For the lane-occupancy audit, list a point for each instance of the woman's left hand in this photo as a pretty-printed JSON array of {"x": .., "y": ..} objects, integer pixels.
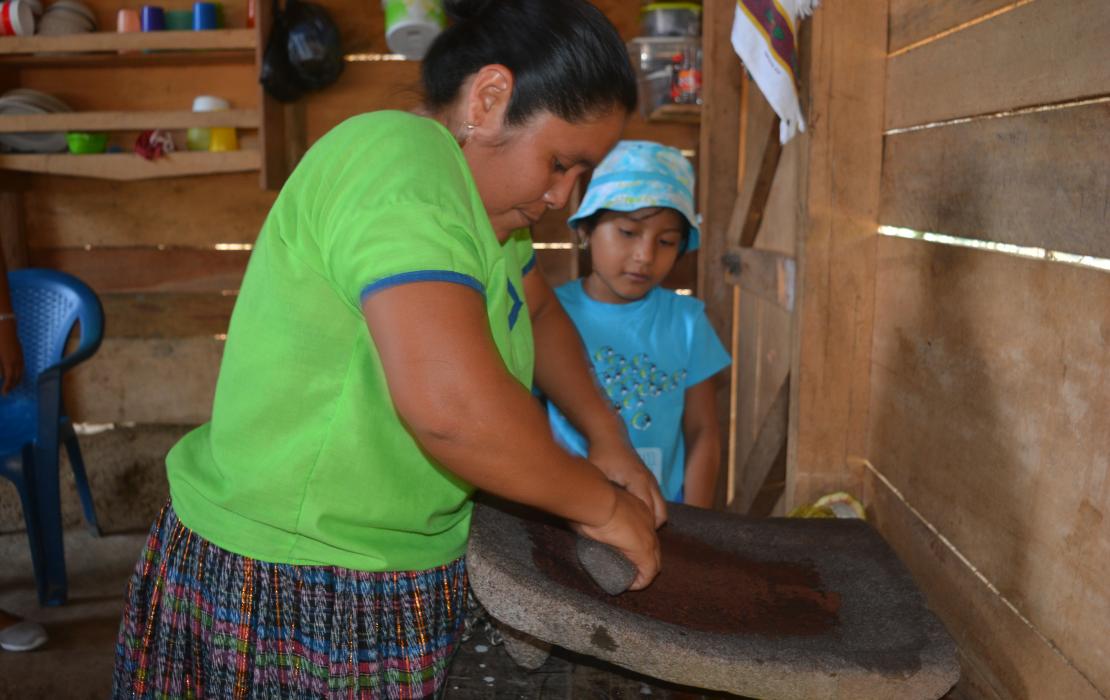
[{"x": 621, "y": 465}]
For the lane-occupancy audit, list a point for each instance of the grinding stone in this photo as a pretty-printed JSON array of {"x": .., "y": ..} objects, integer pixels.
[
  {"x": 885, "y": 642},
  {"x": 606, "y": 566},
  {"x": 525, "y": 650}
]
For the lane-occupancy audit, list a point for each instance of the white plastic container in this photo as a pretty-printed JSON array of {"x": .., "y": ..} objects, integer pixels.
[{"x": 412, "y": 25}]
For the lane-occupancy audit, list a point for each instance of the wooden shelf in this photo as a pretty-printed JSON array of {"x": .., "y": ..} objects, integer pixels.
[
  {"x": 229, "y": 57},
  {"x": 128, "y": 121},
  {"x": 267, "y": 152},
  {"x": 128, "y": 166},
  {"x": 686, "y": 114},
  {"x": 64, "y": 48}
]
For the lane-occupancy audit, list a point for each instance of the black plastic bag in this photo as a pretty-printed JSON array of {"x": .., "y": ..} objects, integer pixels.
[
  {"x": 303, "y": 52},
  {"x": 315, "y": 51}
]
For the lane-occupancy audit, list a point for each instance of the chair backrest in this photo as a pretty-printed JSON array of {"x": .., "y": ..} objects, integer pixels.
[{"x": 47, "y": 304}]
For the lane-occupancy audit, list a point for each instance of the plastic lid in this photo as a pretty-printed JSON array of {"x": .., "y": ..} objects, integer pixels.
[
  {"x": 689, "y": 6},
  {"x": 209, "y": 103}
]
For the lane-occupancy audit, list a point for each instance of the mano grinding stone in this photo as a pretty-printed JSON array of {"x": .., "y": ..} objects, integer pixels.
[{"x": 606, "y": 566}]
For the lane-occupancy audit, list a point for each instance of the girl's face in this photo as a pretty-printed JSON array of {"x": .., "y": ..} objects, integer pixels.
[
  {"x": 632, "y": 252},
  {"x": 521, "y": 172}
]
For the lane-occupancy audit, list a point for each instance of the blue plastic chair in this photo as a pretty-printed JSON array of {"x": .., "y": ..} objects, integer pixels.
[{"x": 33, "y": 424}]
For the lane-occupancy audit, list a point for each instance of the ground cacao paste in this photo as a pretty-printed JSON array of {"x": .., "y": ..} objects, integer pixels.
[{"x": 703, "y": 588}]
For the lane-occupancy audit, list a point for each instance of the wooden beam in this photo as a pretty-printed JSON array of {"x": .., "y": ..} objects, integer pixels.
[
  {"x": 767, "y": 274},
  {"x": 845, "y": 56},
  {"x": 717, "y": 177},
  {"x": 274, "y": 166},
  {"x": 758, "y": 192},
  {"x": 769, "y": 449},
  {"x": 13, "y": 241}
]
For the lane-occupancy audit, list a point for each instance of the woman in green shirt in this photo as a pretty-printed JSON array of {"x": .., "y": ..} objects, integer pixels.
[{"x": 377, "y": 371}]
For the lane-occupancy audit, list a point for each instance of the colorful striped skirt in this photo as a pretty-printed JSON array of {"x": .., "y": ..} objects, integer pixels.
[{"x": 201, "y": 622}]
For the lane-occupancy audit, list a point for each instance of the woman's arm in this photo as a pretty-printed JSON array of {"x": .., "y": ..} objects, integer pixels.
[
  {"x": 563, "y": 375},
  {"x": 451, "y": 388},
  {"x": 11, "y": 355},
  {"x": 703, "y": 444}
]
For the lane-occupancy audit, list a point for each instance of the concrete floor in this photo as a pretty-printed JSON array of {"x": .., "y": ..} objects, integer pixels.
[{"x": 77, "y": 661}]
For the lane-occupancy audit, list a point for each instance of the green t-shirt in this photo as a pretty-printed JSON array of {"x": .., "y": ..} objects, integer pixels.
[{"x": 305, "y": 460}]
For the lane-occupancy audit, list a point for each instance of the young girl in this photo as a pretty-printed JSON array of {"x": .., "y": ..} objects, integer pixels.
[
  {"x": 653, "y": 351},
  {"x": 378, "y": 370}
]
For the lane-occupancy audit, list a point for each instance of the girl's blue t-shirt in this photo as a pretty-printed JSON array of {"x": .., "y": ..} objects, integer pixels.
[{"x": 645, "y": 355}]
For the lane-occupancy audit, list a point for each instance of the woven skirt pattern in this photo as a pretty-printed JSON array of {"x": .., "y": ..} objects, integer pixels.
[{"x": 202, "y": 622}]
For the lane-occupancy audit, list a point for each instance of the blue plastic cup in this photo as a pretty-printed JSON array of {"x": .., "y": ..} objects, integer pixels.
[
  {"x": 153, "y": 18},
  {"x": 204, "y": 16}
]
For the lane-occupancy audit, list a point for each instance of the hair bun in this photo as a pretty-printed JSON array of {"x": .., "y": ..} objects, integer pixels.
[{"x": 461, "y": 10}]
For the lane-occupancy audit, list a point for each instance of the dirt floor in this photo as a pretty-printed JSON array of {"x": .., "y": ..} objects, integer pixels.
[{"x": 77, "y": 661}]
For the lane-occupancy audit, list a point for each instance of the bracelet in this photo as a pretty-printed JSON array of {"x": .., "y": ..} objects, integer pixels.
[{"x": 7, "y": 317}]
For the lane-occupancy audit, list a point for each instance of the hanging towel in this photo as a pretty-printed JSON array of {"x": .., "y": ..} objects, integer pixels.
[{"x": 763, "y": 34}]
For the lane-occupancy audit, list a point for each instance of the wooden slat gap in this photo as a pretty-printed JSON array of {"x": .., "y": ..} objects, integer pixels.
[
  {"x": 958, "y": 28},
  {"x": 1072, "y": 103}
]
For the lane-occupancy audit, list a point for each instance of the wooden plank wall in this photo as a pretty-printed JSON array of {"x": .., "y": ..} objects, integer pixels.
[
  {"x": 839, "y": 187},
  {"x": 988, "y": 429},
  {"x": 167, "y": 255}
]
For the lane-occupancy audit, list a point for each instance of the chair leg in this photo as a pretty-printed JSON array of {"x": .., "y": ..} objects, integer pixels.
[
  {"x": 73, "y": 449},
  {"x": 50, "y": 524},
  {"x": 26, "y": 487}
]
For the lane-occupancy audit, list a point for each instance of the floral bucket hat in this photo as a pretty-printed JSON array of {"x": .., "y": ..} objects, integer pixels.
[{"x": 638, "y": 175}]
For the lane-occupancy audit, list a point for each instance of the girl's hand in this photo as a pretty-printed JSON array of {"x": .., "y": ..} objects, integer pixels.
[
  {"x": 11, "y": 357},
  {"x": 621, "y": 465},
  {"x": 631, "y": 529}
]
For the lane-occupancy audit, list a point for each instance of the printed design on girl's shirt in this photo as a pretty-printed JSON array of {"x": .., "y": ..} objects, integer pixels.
[{"x": 633, "y": 384}]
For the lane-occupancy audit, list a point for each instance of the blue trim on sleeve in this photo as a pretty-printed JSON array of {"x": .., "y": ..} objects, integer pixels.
[
  {"x": 529, "y": 265},
  {"x": 514, "y": 312},
  {"x": 422, "y": 276}
]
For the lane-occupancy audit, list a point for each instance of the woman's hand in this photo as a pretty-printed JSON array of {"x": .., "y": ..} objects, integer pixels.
[
  {"x": 620, "y": 464},
  {"x": 631, "y": 530},
  {"x": 11, "y": 356}
]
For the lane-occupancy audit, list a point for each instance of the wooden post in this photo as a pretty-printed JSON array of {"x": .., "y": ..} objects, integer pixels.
[
  {"x": 830, "y": 363},
  {"x": 13, "y": 241},
  {"x": 719, "y": 160},
  {"x": 272, "y": 127}
]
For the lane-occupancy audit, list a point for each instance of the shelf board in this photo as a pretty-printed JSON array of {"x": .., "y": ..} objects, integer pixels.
[
  {"x": 127, "y": 121},
  {"x": 687, "y": 114},
  {"x": 35, "y": 48},
  {"x": 229, "y": 57},
  {"x": 129, "y": 167}
]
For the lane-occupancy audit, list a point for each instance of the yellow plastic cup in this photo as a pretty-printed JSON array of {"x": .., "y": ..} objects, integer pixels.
[{"x": 222, "y": 138}]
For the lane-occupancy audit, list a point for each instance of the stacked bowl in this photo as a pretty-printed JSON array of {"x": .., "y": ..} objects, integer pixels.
[
  {"x": 67, "y": 17},
  {"x": 25, "y": 101}
]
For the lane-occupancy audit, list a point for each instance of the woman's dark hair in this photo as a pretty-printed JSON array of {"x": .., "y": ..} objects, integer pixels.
[
  {"x": 566, "y": 57},
  {"x": 589, "y": 223}
]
